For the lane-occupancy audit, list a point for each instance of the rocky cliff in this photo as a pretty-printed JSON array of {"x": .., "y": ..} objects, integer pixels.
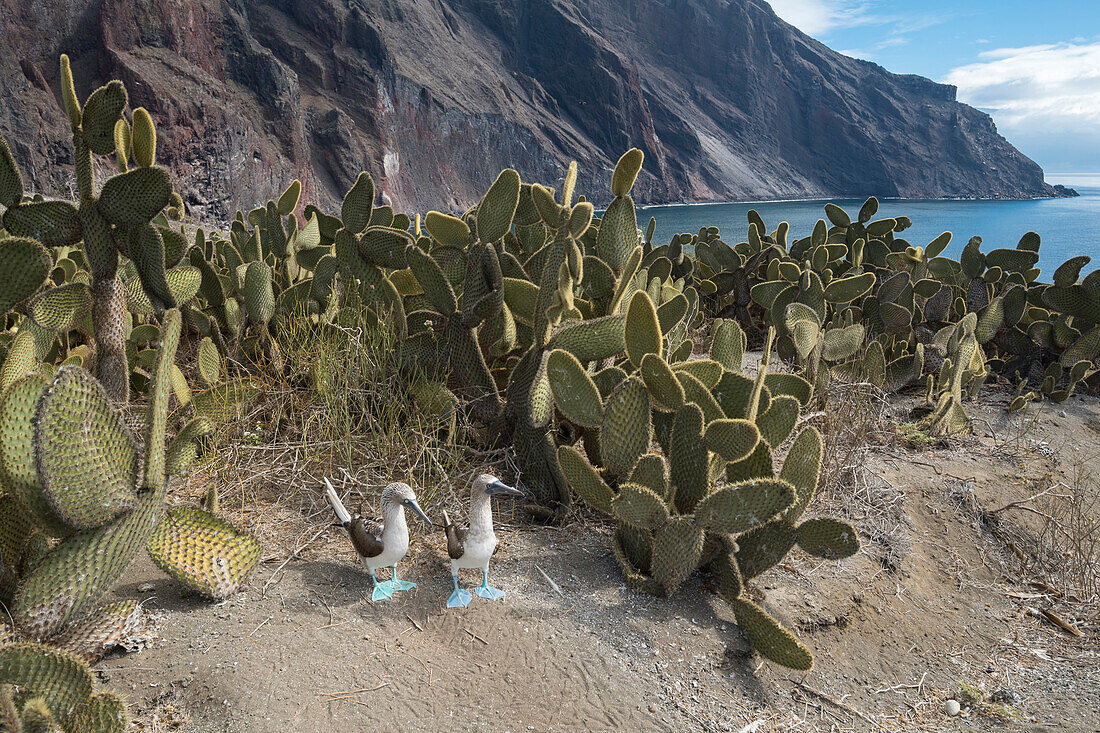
[{"x": 433, "y": 97}]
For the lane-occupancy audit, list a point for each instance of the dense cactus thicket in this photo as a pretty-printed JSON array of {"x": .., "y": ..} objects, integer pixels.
[
  {"x": 90, "y": 294},
  {"x": 611, "y": 364}
]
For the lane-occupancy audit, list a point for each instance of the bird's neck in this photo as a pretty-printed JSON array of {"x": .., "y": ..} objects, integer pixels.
[
  {"x": 393, "y": 522},
  {"x": 481, "y": 513}
]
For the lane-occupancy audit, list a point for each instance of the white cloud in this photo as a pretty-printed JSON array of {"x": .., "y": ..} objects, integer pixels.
[
  {"x": 817, "y": 17},
  {"x": 1052, "y": 88}
]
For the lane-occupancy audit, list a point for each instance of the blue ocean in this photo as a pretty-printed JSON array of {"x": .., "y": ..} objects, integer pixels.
[{"x": 1068, "y": 226}]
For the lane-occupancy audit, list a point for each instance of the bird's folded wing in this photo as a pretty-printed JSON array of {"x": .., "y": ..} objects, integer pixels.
[
  {"x": 366, "y": 536},
  {"x": 456, "y": 541}
]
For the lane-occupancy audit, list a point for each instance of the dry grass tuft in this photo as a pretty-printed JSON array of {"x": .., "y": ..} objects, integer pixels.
[
  {"x": 857, "y": 420},
  {"x": 339, "y": 408}
]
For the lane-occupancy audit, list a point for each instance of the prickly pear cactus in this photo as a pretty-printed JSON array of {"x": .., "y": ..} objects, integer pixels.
[{"x": 707, "y": 496}]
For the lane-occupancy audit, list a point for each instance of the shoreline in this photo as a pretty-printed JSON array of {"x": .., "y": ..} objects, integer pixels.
[{"x": 824, "y": 200}]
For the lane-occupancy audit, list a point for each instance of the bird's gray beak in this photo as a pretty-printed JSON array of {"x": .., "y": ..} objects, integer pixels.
[
  {"x": 501, "y": 489},
  {"x": 416, "y": 508}
]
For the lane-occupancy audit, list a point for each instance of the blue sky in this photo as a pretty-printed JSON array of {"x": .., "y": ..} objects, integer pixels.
[{"x": 1034, "y": 66}]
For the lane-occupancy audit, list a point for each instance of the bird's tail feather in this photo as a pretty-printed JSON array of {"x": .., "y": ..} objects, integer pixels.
[{"x": 337, "y": 506}]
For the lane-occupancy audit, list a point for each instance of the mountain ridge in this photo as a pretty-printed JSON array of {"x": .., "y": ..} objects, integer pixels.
[{"x": 433, "y": 97}]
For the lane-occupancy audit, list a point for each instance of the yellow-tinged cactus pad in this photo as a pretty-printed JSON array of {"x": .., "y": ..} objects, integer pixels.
[
  {"x": 85, "y": 455},
  {"x": 626, "y": 172},
  {"x": 206, "y": 553},
  {"x": 143, "y": 138},
  {"x": 446, "y": 229},
  {"x": 63, "y": 308},
  {"x": 769, "y": 638},
  {"x": 208, "y": 363}
]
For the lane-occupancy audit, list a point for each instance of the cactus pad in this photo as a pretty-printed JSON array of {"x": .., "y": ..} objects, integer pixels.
[
  {"x": 11, "y": 181},
  {"x": 640, "y": 507},
  {"x": 134, "y": 198},
  {"x": 626, "y": 430},
  {"x": 744, "y": 506},
  {"x": 85, "y": 455},
  {"x": 677, "y": 547},
  {"x": 259, "y": 297},
  {"x": 53, "y": 223},
  {"x": 26, "y": 265},
  {"x": 585, "y": 479},
  {"x": 67, "y": 582},
  {"x": 498, "y": 207},
  {"x": 62, "y": 309},
  {"x": 61, "y": 680},
  {"x": 828, "y": 538},
  {"x": 358, "y": 204},
  {"x": 92, "y": 637},
  {"x": 574, "y": 391},
  {"x": 17, "y": 466},
  {"x": 204, "y": 552},
  {"x": 769, "y": 638},
  {"x": 642, "y": 331}
]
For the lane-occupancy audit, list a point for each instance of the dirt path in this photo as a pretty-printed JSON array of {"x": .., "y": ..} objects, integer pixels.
[{"x": 891, "y": 644}]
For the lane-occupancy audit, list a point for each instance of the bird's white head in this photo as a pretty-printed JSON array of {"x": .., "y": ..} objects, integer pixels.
[
  {"x": 401, "y": 496},
  {"x": 489, "y": 485}
]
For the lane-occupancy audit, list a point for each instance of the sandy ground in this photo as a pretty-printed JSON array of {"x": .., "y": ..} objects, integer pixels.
[{"x": 303, "y": 645}]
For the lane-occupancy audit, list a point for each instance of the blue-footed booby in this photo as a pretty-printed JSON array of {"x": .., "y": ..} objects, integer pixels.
[
  {"x": 473, "y": 547},
  {"x": 380, "y": 544}
]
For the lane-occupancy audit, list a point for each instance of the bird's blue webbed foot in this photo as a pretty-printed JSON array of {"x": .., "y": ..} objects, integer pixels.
[
  {"x": 397, "y": 584},
  {"x": 382, "y": 590},
  {"x": 487, "y": 591},
  {"x": 459, "y": 598}
]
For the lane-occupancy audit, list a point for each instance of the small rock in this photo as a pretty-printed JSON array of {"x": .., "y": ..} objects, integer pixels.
[
  {"x": 145, "y": 587},
  {"x": 1008, "y": 697},
  {"x": 1062, "y": 413},
  {"x": 952, "y": 707}
]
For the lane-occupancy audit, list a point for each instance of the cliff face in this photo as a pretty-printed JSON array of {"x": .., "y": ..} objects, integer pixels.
[{"x": 434, "y": 97}]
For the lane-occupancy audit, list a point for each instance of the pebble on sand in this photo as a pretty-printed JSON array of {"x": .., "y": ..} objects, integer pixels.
[{"x": 952, "y": 707}]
